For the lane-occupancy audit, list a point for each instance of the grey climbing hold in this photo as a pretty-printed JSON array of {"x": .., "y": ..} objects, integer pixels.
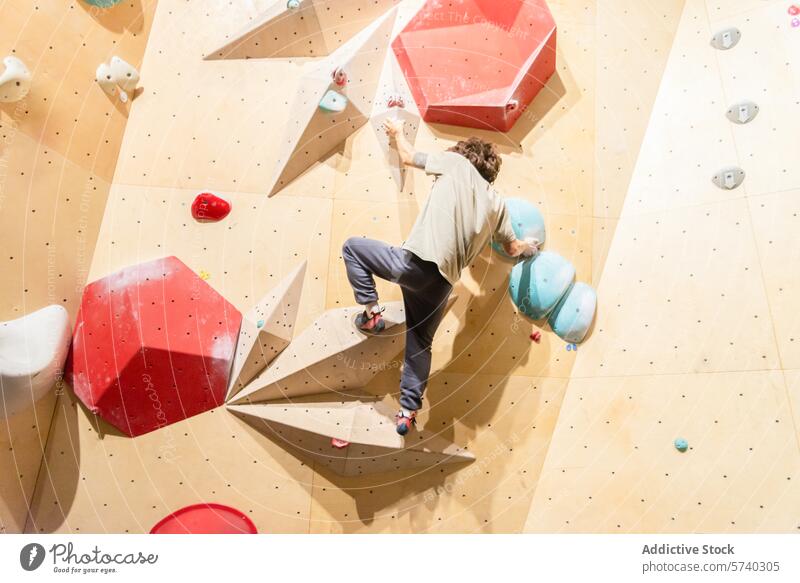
[
  {"x": 726, "y": 39},
  {"x": 742, "y": 113},
  {"x": 728, "y": 178},
  {"x": 681, "y": 444}
]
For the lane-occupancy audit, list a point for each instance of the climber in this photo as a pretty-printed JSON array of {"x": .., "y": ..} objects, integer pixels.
[{"x": 462, "y": 215}]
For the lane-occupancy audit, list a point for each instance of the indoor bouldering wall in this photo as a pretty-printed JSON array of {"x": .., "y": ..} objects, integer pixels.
[
  {"x": 217, "y": 125},
  {"x": 58, "y": 152}
]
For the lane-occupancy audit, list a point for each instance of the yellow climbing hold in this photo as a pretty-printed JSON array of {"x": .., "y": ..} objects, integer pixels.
[{"x": 204, "y": 275}]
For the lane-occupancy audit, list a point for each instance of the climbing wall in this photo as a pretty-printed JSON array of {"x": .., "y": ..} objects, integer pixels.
[
  {"x": 697, "y": 331},
  {"x": 215, "y": 125},
  {"x": 58, "y": 152}
]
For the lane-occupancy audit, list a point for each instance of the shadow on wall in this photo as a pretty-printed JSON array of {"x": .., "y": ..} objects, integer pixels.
[
  {"x": 57, "y": 483},
  {"x": 127, "y": 15},
  {"x": 511, "y": 142}
]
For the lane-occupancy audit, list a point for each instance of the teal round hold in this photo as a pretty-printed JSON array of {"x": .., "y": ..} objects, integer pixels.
[
  {"x": 103, "y": 3},
  {"x": 574, "y": 314},
  {"x": 537, "y": 285},
  {"x": 526, "y": 220},
  {"x": 681, "y": 444}
]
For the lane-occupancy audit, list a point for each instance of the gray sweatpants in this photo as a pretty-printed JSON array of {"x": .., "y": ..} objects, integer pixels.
[{"x": 425, "y": 293}]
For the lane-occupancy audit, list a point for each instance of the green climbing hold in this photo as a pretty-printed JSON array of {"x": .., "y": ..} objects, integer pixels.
[
  {"x": 333, "y": 102},
  {"x": 681, "y": 444},
  {"x": 260, "y": 323}
]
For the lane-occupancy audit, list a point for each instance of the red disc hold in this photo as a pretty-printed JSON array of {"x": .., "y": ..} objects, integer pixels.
[
  {"x": 205, "y": 519},
  {"x": 210, "y": 207}
]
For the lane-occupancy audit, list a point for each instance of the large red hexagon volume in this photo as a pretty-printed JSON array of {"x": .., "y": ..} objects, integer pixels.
[
  {"x": 477, "y": 63},
  {"x": 153, "y": 345}
]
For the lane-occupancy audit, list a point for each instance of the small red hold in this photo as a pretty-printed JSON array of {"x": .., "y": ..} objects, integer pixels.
[
  {"x": 209, "y": 207},
  {"x": 536, "y": 337},
  {"x": 397, "y": 101},
  {"x": 794, "y": 9},
  {"x": 339, "y": 443},
  {"x": 339, "y": 77}
]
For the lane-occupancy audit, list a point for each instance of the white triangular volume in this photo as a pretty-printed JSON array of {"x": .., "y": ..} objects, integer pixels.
[
  {"x": 311, "y": 132},
  {"x": 267, "y": 329},
  {"x": 330, "y": 355},
  {"x": 32, "y": 353},
  {"x": 393, "y": 87},
  {"x": 350, "y": 438},
  {"x": 309, "y": 28},
  {"x": 15, "y": 81},
  {"x": 410, "y": 128}
]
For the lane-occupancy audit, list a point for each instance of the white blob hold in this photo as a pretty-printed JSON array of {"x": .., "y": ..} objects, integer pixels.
[
  {"x": 15, "y": 82},
  {"x": 105, "y": 79},
  {"x": 125, "y": 74}
]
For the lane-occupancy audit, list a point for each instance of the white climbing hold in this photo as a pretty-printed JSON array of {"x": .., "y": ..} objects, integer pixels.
[
  {"x": 726, "y": 39},
  {"x": 743, "y": 112},
  {"x": 125, "y": 74},
  {"x": 118, "y": 74},
  {"x": 728, "y": 178},
  {"x": 15, "y": 82},
  {"x": 32, "y": 353},
  {"x": 105, "y": 79}
]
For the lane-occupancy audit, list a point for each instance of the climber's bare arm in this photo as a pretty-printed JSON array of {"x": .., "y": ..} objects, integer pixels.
[{"x": 394, "y": 129}]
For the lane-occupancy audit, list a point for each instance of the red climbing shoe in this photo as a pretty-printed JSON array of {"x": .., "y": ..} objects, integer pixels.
[
  {"x": 404, "y": 421},
  {"x": 373, "y": 324}
]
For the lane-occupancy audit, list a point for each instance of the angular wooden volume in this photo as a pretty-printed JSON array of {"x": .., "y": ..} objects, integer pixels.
[
  {"x": 330, "y": 355},
  {"x": 266, "y": 330},
  {"x": 313, "y": 131},
  {"x": 315, "y": 28},
  {"x": 350, "y": 438}
]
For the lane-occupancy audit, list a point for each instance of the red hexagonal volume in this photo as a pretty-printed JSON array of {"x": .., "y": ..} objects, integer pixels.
[
  {"x": 153, "y": 345},
  {"x": 477, "y": 63}
]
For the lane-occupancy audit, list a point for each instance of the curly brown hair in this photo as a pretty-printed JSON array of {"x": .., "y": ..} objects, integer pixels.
[{"x": 482, "y": 154}]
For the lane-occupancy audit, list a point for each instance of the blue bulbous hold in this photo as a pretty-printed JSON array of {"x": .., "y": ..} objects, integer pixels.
[
  {"x": 574, "y": 314},
  {"x": 537, "y": 284},
  {"x": 103, "y": 3},
  {"x": 333, "y": 102},
  {"x": 526, "y": 220}
]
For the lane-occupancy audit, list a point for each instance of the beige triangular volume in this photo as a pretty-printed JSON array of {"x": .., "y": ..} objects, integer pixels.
[
  {"x": 313, "y": 131},
  {"x": 309, "y": 28},
  {"x": 331, "y": 355},
  {"x": 393, "y": 100},
  {"x": 266, "y": 330},
  {"x": 350, "y": 438}
]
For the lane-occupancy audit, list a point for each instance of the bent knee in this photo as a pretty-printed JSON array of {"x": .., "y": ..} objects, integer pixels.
[{"x": 347, "y": 246}]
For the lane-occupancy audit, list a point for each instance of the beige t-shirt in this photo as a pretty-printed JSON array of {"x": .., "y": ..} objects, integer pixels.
[{"x": 461, "y": 216}]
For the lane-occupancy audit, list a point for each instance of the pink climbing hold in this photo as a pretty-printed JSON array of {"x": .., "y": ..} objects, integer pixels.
[
  {"x": 794, "y": 10},
  {"x": 153, "y": 345},
  {"x": 339, "y": 443},
  {"x": 396, "y": 101},
  {"x": 209, "y": 207},
  {"x": 339, "y": 77}
]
